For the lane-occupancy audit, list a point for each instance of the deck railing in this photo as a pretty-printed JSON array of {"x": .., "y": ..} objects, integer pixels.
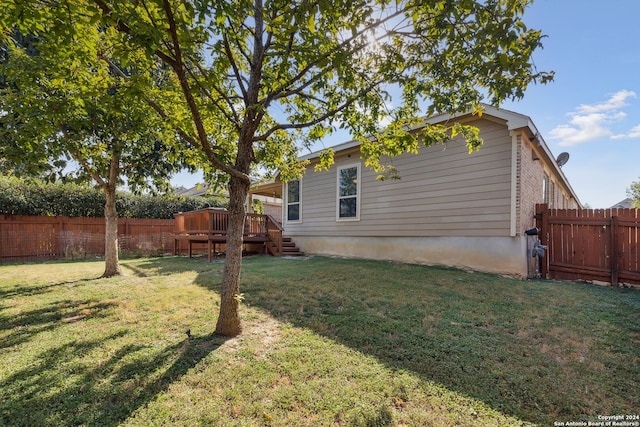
[
  {"x": 202, "y": 221},
  {"x": 215, "y": 221},
  {"x": 255, "y": 225},
  {"x": 209, "y": 226},
  {"x": 274, "y": 232}
]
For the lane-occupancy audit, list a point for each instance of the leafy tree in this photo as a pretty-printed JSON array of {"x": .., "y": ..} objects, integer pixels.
[
  {"x": 66, "y": 103},
  {"x": 634, "y": 193},
  {"x": 261, "y": 78},
  {"x": 14, "y": 159}
]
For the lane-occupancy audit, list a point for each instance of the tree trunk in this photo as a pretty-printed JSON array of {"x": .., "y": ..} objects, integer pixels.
[
  {"x": 111, "y": 260},
  {"x": 229, "y": 319}
]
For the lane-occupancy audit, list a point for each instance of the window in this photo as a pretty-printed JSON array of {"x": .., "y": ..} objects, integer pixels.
[
  {"x": 545, "y": 189},
  {"x": 348, "y": 206},
  {"x": 294, "y": 213}
]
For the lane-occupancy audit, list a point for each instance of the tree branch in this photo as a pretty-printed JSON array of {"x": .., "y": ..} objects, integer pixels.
[
  {"x": 321, "y": 118},
  {"x": 231, "y": 117},
  {"x": 124, "y": 28},
  {"x": 178, "y": 67},
  {"x": 158, "y": 109},
  {"x": 236, "y": 71},
  {"x": 87, "y": 167},
  {"x": 345, "y": 43}
]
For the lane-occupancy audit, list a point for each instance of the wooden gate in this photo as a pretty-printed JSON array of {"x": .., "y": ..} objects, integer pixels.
[{"x": 590, "y": 244}]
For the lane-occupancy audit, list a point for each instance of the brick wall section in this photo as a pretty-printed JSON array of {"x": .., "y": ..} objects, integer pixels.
[
  {"x": 529, "y": 185},
  {"x": 530, "y": 173}
]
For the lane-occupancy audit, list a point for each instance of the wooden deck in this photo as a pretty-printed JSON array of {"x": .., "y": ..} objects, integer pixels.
[{"x": 209, "y": 226}]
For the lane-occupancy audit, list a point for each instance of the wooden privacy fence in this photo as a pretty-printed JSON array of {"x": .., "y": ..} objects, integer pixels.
[
  {"x": 41, "y": 237},
  {"x": 590, "y": 244}
]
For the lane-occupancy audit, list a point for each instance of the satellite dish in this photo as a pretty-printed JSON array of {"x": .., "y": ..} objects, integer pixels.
[{"x": 562, "y": 159}]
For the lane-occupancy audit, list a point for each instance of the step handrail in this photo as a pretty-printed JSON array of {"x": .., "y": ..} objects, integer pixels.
[{"x": 274, "y": 233}]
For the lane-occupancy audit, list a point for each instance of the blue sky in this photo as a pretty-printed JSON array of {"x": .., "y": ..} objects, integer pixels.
[{"x": 592, "y": 109}]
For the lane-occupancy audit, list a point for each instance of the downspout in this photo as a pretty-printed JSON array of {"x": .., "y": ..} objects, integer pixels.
[{"x": 515, "y": 183}]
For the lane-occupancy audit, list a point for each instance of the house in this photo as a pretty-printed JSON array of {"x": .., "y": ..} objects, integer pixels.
[
  {"x": 624, "y": 204},
  {"x": 449, "y": 207},
  {"x": 196, "y": 190}
]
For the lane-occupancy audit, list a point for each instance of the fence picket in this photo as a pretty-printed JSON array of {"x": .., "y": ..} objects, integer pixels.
[
  {"x": 37, "y": 237},
  {"x": 591, "y": 244}
]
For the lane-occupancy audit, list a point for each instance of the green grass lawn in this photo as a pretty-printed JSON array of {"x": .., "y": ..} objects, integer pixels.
[{"x": 326, "y": 342}]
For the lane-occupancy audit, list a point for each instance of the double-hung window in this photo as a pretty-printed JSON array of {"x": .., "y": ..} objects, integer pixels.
[
  {"x": 294, "y": 213},
  {"x": 348, "y": 200}
]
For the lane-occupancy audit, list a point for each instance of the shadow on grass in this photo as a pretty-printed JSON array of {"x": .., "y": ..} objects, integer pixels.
[
  {"x": 533, "y": 350},
  {"x": 26, "y": 324},
  {"x": 518, "y": 346},
  {"x": 172, "y": 265},
  {"x": 97, "y": 378},
  {"x": 27, "y": 291},
  {"x": 62, "y": 387}
]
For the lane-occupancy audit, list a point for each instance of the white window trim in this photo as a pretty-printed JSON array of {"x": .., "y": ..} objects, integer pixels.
[
  {"x": 286, "y": 203},
  {"x": 358, "y": 192}
]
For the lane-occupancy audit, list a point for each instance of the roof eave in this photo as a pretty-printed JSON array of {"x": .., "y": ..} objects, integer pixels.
[{"x": 514, "y": 121}]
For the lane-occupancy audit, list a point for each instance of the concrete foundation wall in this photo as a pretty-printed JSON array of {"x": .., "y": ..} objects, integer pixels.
[{"x": 501, "y": 255}]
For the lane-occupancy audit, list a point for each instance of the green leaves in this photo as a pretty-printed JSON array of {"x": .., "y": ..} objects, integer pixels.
[
  {"x": 311, "y": 23},
  {"x": 84, "y": 98},
  {"x": 263, "y": 78},
  {"x": 35, "y": 197},
  {"x": 471, "y": 135},
  {"x": 325, "y": 159},
  {"x": 634, "y": 193}
]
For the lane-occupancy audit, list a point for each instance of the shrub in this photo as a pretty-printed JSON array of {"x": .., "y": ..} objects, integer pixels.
[{"x": 35, "y": 197}]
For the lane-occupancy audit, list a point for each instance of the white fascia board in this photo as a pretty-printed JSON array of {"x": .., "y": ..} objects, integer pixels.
[
  {"x": 336, "y": 148},
  {"x": 514, "y": 121}
]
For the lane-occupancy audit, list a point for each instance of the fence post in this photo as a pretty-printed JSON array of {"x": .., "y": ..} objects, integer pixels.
[
  {"x": 60, "y": 244},
  {"x": 614, "y": 250},
  {"x": 542, "y": 222},
  {"x": 127, "y": 232},
  {"x": 2, "y": 239}
]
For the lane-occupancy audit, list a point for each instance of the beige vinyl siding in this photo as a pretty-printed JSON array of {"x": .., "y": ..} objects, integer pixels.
[{"x": 443, "y": 191}]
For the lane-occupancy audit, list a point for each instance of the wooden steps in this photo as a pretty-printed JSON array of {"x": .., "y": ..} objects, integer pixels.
[{"x": 289, "y": 248}]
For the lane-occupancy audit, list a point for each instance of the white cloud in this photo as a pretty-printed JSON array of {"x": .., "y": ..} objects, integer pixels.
[
  {"x": 593, "y": 121},
  {"x": 634, "y": 133},
  {"x": 617, "y": 101}
]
